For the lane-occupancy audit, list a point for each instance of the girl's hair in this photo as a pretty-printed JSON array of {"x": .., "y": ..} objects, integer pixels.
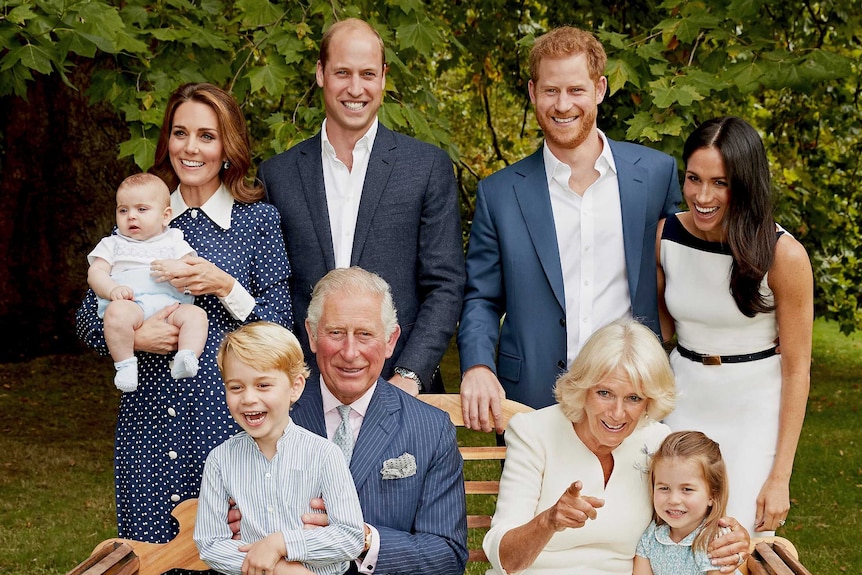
[
  {"x": 749, "y": 224},
  {"x": 264, "y": 345},
  {"x": 233, "y": 134},
  {"x": 696, "y": 447},
  {"x": 624, "y": 345}
]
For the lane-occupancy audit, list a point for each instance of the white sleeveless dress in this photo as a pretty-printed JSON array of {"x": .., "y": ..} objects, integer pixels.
[{"x": 735, "y": 404}]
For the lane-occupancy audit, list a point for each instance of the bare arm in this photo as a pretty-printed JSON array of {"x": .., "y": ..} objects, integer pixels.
[
  {"x": 642, "y": 566},
  {"x": 792, "y": 283},
  {"x": 100, "y": 281}
]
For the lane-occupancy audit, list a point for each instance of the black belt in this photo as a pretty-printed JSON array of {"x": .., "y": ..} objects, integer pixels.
[{"x": 719, "y": 359}]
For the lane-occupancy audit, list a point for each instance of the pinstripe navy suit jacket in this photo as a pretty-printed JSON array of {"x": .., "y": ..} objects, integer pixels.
[{"x": 422, "y": 520}]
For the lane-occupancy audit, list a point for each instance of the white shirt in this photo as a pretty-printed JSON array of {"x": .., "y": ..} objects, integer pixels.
[
  {"x": 344, "y": 190},
  {"x": 589, "y": 231}
]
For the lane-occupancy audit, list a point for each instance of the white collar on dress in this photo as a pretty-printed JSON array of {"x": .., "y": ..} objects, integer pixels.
[{"x": 218, "y": 208}]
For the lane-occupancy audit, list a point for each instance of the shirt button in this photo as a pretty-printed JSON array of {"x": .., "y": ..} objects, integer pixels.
[
  {"x": 172, "y": 412},
  {"x": 563, "y": 321},
  {"x": 268, "y": 475},
  {"x": 175, "y": 497},
  {"x": 172, "y": 454},
  {"x": 269, "y": 509}
]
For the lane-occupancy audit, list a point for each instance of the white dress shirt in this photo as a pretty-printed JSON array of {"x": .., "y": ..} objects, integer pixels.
[
  {"x": 344, "y": 190},
  {"x": 589, "y": 230}
]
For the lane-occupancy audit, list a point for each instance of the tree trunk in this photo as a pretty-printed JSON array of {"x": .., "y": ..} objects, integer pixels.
[{"x": 58, "y": 172}]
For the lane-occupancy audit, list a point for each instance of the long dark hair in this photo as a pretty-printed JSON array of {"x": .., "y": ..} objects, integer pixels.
[
  {"x": 749, "y": 224},
  {"x": 234, "y": 134}
]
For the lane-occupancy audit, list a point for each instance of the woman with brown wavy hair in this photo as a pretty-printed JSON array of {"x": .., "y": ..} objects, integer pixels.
[{"x": 167, "y": 427}]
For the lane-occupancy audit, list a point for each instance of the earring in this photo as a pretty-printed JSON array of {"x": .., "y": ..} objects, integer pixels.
[{"x": 226, "y": 164}]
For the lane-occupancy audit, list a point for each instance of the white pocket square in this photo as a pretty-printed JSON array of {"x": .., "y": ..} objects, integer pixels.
[{"x": 399, "y": 467}]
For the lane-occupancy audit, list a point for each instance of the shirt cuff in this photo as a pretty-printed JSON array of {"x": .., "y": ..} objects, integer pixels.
[
  {"x": 239, "y": 303},
  {"x": 368, "y": 564}
]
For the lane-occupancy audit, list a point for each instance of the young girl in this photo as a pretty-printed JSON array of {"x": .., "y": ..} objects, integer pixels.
[{"x": 689, "y": 485}]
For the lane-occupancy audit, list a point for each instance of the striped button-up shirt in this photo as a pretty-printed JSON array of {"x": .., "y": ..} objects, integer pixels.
[{"x": 272, "y": 495}]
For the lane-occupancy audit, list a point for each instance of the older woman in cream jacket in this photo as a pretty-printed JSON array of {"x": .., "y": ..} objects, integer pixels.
[{"x": 574, "y": 494}]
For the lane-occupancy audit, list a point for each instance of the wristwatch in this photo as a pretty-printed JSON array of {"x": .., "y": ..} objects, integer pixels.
[{"x": 408, "y": 374}]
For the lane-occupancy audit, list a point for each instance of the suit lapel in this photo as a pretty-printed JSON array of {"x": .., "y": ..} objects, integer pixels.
[
  {"x": 380, "y": 165},
  {"x": 307, "y": 412},
  {"x": 534, "y": 200},
  {"x": 378, "y": 426},
  {"x": 633, "y": 202},
  {"x": 310, "y": 165}
]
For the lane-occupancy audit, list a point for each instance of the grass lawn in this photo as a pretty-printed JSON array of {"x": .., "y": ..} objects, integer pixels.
[{"x": 57, "y": 416}]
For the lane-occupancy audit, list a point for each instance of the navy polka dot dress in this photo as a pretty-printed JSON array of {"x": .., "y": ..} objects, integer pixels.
[{"x": 167, "y": 427}]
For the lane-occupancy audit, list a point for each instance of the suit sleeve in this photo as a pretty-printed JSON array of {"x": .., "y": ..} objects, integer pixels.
[
  {"x": 484, "y": 297},
  {"x": 438, "y": 543},
  {"x": 673, "y": 197},
  {"x": 440, "y": 272}
]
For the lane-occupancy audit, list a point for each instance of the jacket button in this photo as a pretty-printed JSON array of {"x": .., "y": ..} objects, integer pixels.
[
  {"x": 563, "y": 321},
  {"x": 561, "y": 364}
]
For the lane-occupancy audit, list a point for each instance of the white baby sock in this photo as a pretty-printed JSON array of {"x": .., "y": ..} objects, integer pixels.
[
  {"x": 126, "y": 379},
  {"x": 185, "y": 364}
]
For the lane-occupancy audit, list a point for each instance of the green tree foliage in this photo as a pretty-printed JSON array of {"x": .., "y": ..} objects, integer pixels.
[{"x": 458, "y": 78}]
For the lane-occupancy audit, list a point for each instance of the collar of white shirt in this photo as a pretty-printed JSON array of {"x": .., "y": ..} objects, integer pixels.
[
  {"x": 366, "y": 141},
  {"x": 557, "y": 171},
  {"x": 217, "y": 208},
  {"x": 331, "y": 403}
]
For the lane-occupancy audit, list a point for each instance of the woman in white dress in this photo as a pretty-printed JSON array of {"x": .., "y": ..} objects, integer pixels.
[{"x": 732, "y": 284}]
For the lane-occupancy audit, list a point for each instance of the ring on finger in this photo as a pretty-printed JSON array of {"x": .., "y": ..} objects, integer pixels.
[
  {"x": 741, "y": 559},
  {"x": 186, "y": 291},
  {"x": 781, "y": 522}
]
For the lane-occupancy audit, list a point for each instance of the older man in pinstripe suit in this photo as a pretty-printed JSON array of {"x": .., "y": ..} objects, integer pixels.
[{"x": 405, "y": 461}]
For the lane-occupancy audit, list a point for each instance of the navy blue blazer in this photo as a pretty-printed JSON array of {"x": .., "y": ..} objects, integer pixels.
[
  {"x": 514, "y": 273},
  {"x": 422, "y": 520},
  {"x": 408, "y": 231}
]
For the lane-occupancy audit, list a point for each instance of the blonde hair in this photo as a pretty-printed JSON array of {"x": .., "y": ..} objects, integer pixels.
[
  {"x": 266, "y": 346},
  {"x": 697, "y": 448},
  {"x": 141, "y": 180},
  {"x": 624, "y": 345},
  {"x": 568, "y": 41},
  {"x": 353, "y": 281}
]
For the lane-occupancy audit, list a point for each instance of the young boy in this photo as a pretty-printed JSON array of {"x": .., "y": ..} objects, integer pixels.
[
  {"x": 119, "y": 274},
  {"x": 273, "y": 468}
]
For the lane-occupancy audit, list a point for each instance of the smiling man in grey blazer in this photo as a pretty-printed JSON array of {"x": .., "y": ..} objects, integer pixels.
[
  {"x": 562, "y": 242},
  {"x": 359, "y": 194}
]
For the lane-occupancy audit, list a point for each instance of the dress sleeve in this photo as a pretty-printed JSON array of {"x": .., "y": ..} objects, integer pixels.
[
  {"x": 270, "y": 272},
  {"x": 520, "y": 487}
]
